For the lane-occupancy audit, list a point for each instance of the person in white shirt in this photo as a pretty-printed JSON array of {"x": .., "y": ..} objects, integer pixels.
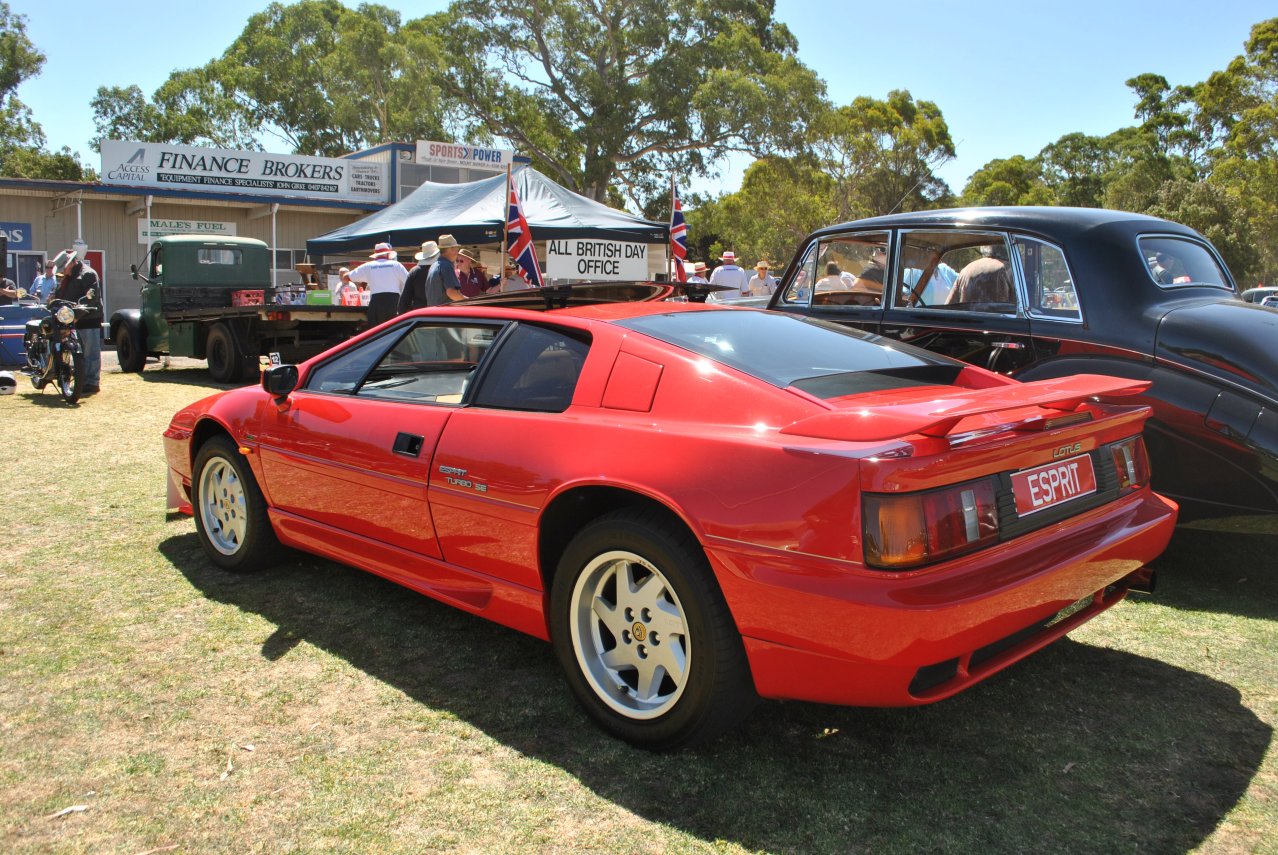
[
  {"x": 698, "y": 276},
  {"x": 761, "y": 284},
  {"x": 735, "y": 279},
  {"x": 384, "y": 276}
]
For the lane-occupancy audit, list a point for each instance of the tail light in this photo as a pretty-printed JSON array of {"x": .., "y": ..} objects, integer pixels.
[
  {"x": 1131, "y": 462},
  {"x": 905, "y": 530}
]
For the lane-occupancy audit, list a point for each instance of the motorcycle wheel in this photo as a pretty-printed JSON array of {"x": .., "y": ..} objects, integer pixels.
[{"x": 70, "y": 374}]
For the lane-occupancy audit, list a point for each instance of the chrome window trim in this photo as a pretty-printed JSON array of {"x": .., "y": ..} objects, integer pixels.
[
  {"x": 1018, "y": 282},
  {"x": 1038, "y": 314}
]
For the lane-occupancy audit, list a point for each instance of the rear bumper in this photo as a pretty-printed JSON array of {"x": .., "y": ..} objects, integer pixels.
[{"x": 818, "y": 630}]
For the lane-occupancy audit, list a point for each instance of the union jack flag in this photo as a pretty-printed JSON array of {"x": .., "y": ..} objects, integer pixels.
[
  {"x": 520, "y": 237},
  {"x": 678, "y": 238}
]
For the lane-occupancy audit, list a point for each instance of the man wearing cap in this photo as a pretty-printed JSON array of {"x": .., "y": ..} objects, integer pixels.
[
  {"x": 512, "y": 280},
  {"x": 731, "y": 276},
  {"x": 80, "y": 285},
  {"x": 761, "y": 284},
  {"x": 442, "y": 286},
  {"x": 42, "y": 286},
  {"x": 385, "y": 277},
  {"x": 698, "y": 276}
]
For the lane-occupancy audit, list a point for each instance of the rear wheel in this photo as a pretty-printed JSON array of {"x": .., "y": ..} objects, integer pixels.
[
  {"x": 644, "y": 635},
  {"x": 225, "y": 362},
  {"x": 129, "y": 349},
  {"x": 230, "y": 511},
  {"x": 70, "y": 371}
]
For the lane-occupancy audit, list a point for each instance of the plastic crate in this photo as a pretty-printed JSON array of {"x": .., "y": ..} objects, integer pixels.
[{"x": 248, "y": 298}]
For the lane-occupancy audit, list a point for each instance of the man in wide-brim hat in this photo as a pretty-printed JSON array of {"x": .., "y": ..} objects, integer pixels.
[
  {"x": 385, "y": 278},
  {"x": 414, "y": 293}
]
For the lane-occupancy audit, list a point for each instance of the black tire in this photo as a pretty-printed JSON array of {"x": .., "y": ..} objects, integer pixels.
[
  {"x": 130, "y": 349},
  {"x": 225, "y": 361},
  {"x": 709, "y": 688},
  {"x": 70, "y": 374},
  {"x": 230, "y": 511}
]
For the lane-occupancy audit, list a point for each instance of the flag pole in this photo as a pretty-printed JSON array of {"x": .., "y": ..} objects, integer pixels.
[
  {"x": 670, "y": 270},
  {"x": 505, "y": 225}
]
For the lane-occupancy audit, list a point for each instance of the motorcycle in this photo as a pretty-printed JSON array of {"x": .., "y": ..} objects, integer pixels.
[{"x": 54, "y": 354}]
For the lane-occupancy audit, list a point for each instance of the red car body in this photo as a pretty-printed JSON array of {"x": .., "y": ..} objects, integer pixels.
[{"x": 768, "y": 480}]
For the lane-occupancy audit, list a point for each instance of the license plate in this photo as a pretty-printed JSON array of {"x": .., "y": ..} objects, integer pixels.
[{"x": 1047, "y": 486}]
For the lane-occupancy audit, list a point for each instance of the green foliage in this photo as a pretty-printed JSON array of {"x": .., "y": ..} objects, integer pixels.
[
  {"x": 324, "y": 78},
  {"x": 22, "y": 152},
  {"x": 628, "y": 92},
  {"x": 1205, "y": 155}
]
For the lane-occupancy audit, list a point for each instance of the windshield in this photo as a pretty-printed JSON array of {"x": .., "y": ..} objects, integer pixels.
[{"x": 823, "y": 359}]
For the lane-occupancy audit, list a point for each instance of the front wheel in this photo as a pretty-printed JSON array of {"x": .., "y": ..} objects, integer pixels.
[
  {"x": 129, "y": 349},
  {"x": 230, "y": 511},
  {"x": 644, "y": 635},
  {"x": 70, "y": 369}
]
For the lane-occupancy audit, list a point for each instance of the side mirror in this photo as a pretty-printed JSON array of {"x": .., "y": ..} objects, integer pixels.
[{"x": 280, "y": 380}]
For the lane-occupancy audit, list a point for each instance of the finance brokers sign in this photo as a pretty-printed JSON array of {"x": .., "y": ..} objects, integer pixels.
[
  {"x": 597, "y": 260},
  {"x": 259, "y": 173}
]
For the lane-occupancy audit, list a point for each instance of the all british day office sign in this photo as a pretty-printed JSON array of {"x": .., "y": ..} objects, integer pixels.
[{"x": 259, "y": 173}]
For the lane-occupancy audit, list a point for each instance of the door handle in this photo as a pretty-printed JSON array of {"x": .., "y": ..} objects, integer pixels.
[{"x": 408, "y": 444}]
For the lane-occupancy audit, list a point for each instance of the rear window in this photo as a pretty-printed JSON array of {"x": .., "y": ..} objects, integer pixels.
[
  {"x": 227, "y": 257},
  {"x": 823, "y": 359},
  {"x": 1175, "y": 262}
]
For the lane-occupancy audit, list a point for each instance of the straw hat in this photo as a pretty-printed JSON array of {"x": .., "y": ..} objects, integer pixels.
[
  {"x": 383, "y": 250},
  {"x": 430, "y": 251}
]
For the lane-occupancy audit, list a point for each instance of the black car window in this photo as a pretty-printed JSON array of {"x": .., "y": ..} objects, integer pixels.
[
  {"x": 1175, "y": 262},
  {"x": 956, "y": 271},
  {"x": 1047, "y": 280},
  {"x": 822, "y": 358},
  {"x": 428, "y": 363},
  {"x": 799, "y": 291},
  {"x": 536, "y": 369},
  {"x": 850, "y": 270}
]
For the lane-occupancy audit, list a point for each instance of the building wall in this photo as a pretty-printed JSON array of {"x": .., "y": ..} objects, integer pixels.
[{"x": 107, "y": 227}]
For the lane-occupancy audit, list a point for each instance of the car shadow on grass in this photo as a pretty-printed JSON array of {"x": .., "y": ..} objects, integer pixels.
[
  {"x": 1234, "y": 573},
  {"x": 1078, "y": 749}
]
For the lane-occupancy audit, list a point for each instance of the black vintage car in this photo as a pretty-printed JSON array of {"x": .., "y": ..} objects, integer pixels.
[{"x": 1049, "y": 292}]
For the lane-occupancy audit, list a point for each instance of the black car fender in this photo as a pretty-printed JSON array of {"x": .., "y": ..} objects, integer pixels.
[{"x": 132, "y": 318}]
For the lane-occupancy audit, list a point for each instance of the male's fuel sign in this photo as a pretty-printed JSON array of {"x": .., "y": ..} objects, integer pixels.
[{"x": 598, "y": 260}]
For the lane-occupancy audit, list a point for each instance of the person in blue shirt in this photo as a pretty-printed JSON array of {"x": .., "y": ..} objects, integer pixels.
[{"x": 42, "y": 286}]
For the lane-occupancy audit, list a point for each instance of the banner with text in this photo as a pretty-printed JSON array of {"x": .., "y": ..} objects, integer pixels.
[
  {"x": 460, "y": 154},
  {"x": 160, "y": 228},
  {"x": 598, "y": 260},
  {"x": 259, "y": 173}
]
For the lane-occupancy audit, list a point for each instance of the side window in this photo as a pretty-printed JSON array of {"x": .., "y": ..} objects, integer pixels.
[
  {"x": 536, "y": 369},
  {"x": 956, "y": 271},
  {"x": 851, "y": 270},
  {"x": 1174, "y": 262},
  {"x": 157, "y": 262},
  {"x": 799, "y": 291},
  {"x": 430, "y": 363},
  {"x": 1047, "y": 279}
]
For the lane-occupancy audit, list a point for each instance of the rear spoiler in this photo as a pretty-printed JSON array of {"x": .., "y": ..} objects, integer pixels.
[{"x": 941, "y": 411}]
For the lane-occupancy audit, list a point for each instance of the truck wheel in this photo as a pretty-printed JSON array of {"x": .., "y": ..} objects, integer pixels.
[
  {"x": 225, "y": 363},
  {"x": 129, "y": 349}
]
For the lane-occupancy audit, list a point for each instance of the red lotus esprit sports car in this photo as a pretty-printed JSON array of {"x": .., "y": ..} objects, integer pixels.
[{"x": 698, "y": 506}]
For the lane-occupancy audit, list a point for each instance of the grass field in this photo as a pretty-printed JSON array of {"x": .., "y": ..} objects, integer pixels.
[{"x": 314, "y": 708}]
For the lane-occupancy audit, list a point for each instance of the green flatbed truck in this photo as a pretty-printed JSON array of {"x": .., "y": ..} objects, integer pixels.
[{"x": 186, "y": 310}]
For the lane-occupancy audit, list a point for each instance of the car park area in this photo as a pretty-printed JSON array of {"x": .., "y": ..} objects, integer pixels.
[{"x": 252, "y": 706}]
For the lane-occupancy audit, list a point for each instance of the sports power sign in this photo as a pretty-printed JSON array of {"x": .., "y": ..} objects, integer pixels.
[
  {"x": 460, "y": 154},
  {"x": 139, "y": 164}
]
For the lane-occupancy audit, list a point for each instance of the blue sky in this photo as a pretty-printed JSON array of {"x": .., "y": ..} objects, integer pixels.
[{"x": 1009, "y": 77}]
